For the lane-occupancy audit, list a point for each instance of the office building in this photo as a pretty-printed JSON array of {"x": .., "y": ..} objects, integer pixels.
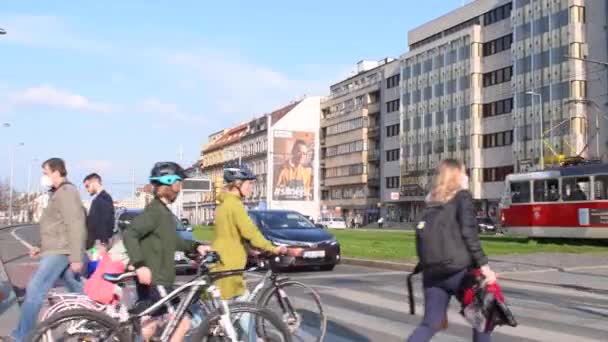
[{"x": 476, "y": 80}]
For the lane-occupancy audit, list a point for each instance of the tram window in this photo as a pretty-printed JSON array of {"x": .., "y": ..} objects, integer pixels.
[
  {"x": 576, "y": 189},
  {"x": 546, "y": 190},
  {"x": 520, "y": 192},
  {"x": 601, "y": 187}
]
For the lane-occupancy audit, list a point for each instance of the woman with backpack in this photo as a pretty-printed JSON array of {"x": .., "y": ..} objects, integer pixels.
[{"x": 448, "y": 247}]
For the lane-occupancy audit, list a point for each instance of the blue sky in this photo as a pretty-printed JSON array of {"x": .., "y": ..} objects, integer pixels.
[{"x": 118, "y": 85}]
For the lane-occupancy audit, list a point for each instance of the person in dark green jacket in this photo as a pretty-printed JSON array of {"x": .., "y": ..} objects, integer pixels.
[{"x": 151, "y": 242}]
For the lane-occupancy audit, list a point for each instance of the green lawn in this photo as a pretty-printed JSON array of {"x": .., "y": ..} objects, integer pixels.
[{"x": 401, "y": 246}]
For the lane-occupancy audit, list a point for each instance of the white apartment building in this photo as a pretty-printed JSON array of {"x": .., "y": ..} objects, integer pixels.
[{"x": 473, "y": 82}]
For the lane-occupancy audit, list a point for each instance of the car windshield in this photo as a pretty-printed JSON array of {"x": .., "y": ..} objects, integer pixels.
[{"x": 280, "y": 220}]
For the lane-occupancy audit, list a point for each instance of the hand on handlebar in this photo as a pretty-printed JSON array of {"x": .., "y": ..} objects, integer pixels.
[
  {"x": 290, "y": 251},
  {"x": 203, "y": 249}
]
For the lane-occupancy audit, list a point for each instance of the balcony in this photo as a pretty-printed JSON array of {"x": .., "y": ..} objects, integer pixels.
[
  {"x": 373, "y": 108},
  {"x": 363, "y": 83},
  {"x": 373, "y": 156},
  {"x": 373, "y": 131}
]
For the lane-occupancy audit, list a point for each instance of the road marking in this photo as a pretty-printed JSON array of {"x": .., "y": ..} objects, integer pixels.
[
  {"x": 18, "y": 238},
  {"x": 584, "y": 268},
  {"x": 350, "y": 275}
]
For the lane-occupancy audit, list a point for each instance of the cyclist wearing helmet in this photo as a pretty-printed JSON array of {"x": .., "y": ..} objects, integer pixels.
[
  {"x": 233, "y": 228},
  {"x": 152, "y": 240}
]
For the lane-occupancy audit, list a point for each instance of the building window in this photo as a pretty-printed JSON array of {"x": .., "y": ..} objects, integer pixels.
[
  {"x": 497, "y": 76},
  {"x": 497, "y": 139},
  {"x": 497, "y": 14},
  {"x": 392, "y": 155},
  {"x": 392, "y": 106},
  {"x": 352, "y": 147},
  {"x": 577, "y": 14},
  {"x": 344, "y": 171},
  {"x": 497, "y": 108},
  {"x": 496, "y": 174},
  {"x": 392, "y": 130},
  {"x": 345, "y": 126},
  {"x": 392, "y": 182},
  {"x": 439, "y": 146},
  {"x": 497, "y": 45},
  {"x": 393, "y": 81}
]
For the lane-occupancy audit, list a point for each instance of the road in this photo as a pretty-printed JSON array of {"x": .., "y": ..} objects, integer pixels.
[{"x": 365, "y": 304}]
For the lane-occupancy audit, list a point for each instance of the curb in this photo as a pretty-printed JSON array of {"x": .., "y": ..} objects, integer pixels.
[{"x": 389, "y": 265}]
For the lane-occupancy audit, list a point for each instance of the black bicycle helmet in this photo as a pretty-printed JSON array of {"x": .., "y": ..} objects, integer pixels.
[
  {"x": 167, "y": 173},
  {"x": 236, "y": 172}
]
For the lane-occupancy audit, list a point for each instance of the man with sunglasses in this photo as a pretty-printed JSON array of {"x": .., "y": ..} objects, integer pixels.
[
  {"x": 151, "y": 242},
  {"x": 100, "y": 219}
]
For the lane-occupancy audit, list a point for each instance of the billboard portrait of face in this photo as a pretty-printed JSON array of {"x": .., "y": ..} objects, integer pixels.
[{"x": 292, "y": 161}]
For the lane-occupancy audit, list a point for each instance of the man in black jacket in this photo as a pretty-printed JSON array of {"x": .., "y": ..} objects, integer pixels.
[{"x": 100, "y": 220}]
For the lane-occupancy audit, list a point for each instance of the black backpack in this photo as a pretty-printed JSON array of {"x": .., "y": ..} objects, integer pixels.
[{"x": 439, "y": 243}]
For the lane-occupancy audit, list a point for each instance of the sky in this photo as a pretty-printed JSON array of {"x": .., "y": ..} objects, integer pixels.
[{"x": 115, "y": 86}]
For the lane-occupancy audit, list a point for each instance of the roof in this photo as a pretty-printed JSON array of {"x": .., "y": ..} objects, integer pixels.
[
  {"x": 230, "y": 137},
  {"x": 278, "y": 114}
]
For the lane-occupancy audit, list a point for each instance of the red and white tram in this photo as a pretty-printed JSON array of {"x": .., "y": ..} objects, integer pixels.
[{"x": 565, "y": 202}]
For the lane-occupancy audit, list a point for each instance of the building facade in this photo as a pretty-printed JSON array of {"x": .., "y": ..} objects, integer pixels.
[
  {"x": 351, "y": 143},
  {"x": 477, "y": 81},
  {"x": 281, "y": 148}
]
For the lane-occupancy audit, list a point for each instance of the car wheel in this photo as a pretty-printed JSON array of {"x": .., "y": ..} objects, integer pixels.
[{"x": 328, "y": 267}]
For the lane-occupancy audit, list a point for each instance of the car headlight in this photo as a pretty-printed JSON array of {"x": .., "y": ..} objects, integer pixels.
[{"x": 333, "y": 241}]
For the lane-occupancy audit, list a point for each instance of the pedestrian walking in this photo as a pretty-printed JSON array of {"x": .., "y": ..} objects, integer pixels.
[
  {"x": 381, "y": 222},
  {"x": 100, "y": 219},
  {"x": 448, "y": 247},
  {"x": 62, "y": 240}
]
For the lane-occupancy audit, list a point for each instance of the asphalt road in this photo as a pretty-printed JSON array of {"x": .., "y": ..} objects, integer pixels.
[{"x": 365, "y": 304}]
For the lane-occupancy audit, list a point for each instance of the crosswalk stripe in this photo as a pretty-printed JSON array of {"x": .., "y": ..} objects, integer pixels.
[{"x": 522, "y": 331}]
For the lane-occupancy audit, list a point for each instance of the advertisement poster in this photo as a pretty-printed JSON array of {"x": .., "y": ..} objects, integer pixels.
[{"x": 292, "y": 161}]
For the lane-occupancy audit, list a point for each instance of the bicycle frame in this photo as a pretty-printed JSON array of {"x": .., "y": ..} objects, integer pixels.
[{"x": 192, "y": 288}]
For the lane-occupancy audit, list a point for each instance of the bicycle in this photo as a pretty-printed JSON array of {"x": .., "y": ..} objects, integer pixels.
[
  {"x": 275, "y": 287},
  {"x": 217, "y": 325}
]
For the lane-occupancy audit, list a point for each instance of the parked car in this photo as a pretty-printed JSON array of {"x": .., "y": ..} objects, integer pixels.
[
  {"x": 182, "y": 263},
  {"x": 290, "y": 228},
  {"x": 333, "y": 223},
  {"x": 486, "y": 225}
]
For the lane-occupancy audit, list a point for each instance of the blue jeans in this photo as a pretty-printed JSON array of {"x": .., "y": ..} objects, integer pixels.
[
  {"x": 50, "y": 269},
  {"x": 437, "y": 297},
  {"x": 246, "y": 321}
]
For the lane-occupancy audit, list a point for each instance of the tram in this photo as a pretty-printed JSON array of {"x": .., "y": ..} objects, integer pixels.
[{"x": 563, "y": 202}]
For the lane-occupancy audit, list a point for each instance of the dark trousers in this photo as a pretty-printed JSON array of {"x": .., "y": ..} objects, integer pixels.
[{"x": 437, "y": 297}]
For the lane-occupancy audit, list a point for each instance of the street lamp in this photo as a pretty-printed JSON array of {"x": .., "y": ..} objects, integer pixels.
[
  {"x": 542, "y": 153},
  {"x": 10, "y": 191},
  {"x": 29, "y": 186}
]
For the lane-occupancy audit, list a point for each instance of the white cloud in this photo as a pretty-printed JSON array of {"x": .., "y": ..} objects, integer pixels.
[
  {"x": 48, "y": 96},
  {"x": 242, "y": 89},
  {"x": 167, "y": 111},
  {"x": 94, "y": 165}
]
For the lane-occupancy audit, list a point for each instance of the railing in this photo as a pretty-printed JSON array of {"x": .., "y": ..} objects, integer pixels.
[
  {"x": 373, "y": 155},
  {"x": 345, "y": 111},
  {"x": 365, "y": 82}
]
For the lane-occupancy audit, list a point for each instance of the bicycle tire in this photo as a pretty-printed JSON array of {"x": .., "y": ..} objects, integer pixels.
[
  {"x": 84, "y": 314},
  {"x": 201, "y": 334},
  {"x": 266, "y": 295}
]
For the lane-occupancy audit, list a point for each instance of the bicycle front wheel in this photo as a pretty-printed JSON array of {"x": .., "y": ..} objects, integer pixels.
[
  {"x": 243, "y": 319},
  {"x": 79, "y": 325},
  {"x": 299, "y": 307}
]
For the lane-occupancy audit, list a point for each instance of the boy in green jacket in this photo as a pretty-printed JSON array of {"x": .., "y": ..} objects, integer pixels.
[{"x": 152, "y": 240}]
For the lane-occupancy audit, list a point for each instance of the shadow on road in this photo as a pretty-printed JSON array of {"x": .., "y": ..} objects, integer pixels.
[
  {"x": 336, "y": 329},
  {"x": 8, "y": 299}
]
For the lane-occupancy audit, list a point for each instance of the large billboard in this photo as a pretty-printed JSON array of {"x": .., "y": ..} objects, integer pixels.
[{"x": 293, "y": 158}]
